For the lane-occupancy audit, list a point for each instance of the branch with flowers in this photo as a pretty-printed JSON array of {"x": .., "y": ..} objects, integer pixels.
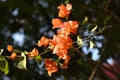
[{"x": 60, "y": 45}]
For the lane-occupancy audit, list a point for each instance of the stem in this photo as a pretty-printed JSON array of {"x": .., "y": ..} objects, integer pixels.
[
  {"x": 79, "y": 52},
  {"x": 101, "y": 30},
  {"x": 94, "y": 71},
  {"x": 17, "y": 51},
  {"x": 102, "y": 54},
  {"x": 45, "y": 51}
]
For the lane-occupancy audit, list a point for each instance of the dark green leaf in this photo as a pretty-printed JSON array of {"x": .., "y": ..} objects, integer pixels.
[
  {"x": 85, "y": 20},
  {"x": 107, "y": 20},
  {"x": 38, "y": 59},
  {"x": 4, "y": 65},
  {"x": 91, "y": 27},
  {"x": 79, "y": 61}
]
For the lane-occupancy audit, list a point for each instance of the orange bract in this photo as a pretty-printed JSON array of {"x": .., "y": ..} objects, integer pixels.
[
  {"x": 60, "y": 45},
  {"x": 13, "y": 56},
  {"x": 51, "y": 66},
  {"x": 43, "y": 42},
  {"x": 65, "y": 64},
  {"x": 56, "y": 22},
  {"x": 60, "y": 51},
  {"x": 10, "y": 48},
  {"x": 64, "y": 11},
  {"x": 64, "y": 36},
  {"x": 33, "y": 53},
  {"x": 63, "y": 41},
  {"x": 70, "y": 27}
]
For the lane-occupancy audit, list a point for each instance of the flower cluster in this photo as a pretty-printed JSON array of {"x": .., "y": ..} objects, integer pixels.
[
  {"x": 60, "y": 42},
  {"x": 33, "y": 53},
  {"x": 13, "y": 55},
  {"x": 64, "y": 11},
  {"x": 51, "y": 66}
]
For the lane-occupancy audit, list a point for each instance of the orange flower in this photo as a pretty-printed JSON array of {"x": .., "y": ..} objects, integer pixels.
[
  {"x": 67, "y": 40},
  {"x": 43, "y": 42},
  {"x": 13, "y": 56},
  {"x": 10, "y": 48},
  {"x": 64, "y": 11},
  {"x": 60, "y": 51},
  {"x": 74, "y": 26},
  {"x": 70, "y": 27},
  {"x": 52, "y": 44},
  {"x": 62, "y": 33},
  {"x": 51, "y": 66},
  {"x": 64, "y": 41},
  {"x": 56, "y": 22},
  {"x": 65, "y": 64},
  {"x": 60, "y": 45},
  {"x": 33, "y": 53}
]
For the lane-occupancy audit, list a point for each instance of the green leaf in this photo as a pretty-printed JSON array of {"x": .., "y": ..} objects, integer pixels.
[
  {"x": 79, "y": 61},
  {"x": 38, "y": 59},
  {"x": 91, "y": 27},
  {"x": 91, "y": 44},
  {"x": 107, "y": 20},
  {"x": 1, "y": 51},
  {"x": 94, "y": 29},
  {"x": 85, "y": 20},
  {"x": 21, "y": 61},
  {"x": 4, "y": 65},
  {"x": 79, "y": 41}
]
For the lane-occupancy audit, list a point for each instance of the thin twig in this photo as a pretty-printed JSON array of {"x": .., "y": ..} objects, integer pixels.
[
  {"x": 98, "y": 62},
  {"x": 100, "y": 31},
  {"x": 93, "y": 73},
  {"x": 78, "y": 52},
  {"x": 83, "y": 55}
]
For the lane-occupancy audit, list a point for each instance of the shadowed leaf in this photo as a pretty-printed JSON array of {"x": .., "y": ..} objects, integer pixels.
[{"x": 4, "y": 65}]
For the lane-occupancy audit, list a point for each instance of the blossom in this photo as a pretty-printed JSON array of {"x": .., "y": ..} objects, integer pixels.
[
  {"x": 64, "y": 11},
  {"x": 51, "y": 66},
  {"x": 33, "y": 53},
  {"x": 60, "y": 51},
  {"x": 10, "y": 48},
  {"x": 66, "y": 38},
  {"x": 65, "y": 64},
  {"x": 62, "y": 40},
  {"x": 60, "y": 45},
  {"x": 52, "y": 43},
  {"x": 43, "y": 42},
  {"x": 70, "y": 27},
  {"x": 13, "y": 56},
  {"x": 57, "y": 22}
]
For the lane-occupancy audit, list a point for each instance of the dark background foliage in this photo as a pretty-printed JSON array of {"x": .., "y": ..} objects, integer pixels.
[{"x": 23, "y": 22}]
